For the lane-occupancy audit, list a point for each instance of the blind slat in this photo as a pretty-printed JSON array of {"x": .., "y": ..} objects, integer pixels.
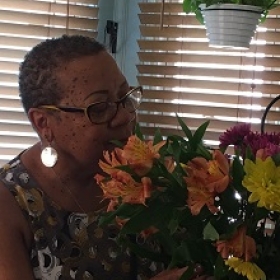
[
  {"x": 187, "y": 19},
  {"x": 223, "y": 96},
  {"x": 15, "y": 128},
  {"x": 172, "y": 45},
  {"x": 170, "y": 82},
  {"x": 49, "y": 7},
  {"x": 8, "y": 66},
  {"x": 12, "y": 138},
  {"x": 206, "y": 110},
  {"x": 40, "y": 31},
  {"x": 153, "y": 7},
  {"x": 210, "y": 71},
  {"x": 52, "y": 20},
  {"x": 221, "y": 59},
  {"x": 16, "y": 116},
  {"x": 222, "y": 125},
  {"x": 18, "y": 42}
]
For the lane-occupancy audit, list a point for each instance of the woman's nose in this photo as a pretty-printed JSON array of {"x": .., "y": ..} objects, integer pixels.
[{"x": 122, "y": 117}]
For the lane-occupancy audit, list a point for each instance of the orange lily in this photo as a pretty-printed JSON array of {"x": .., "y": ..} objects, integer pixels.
[
  {"x": 112, "y": 160},
  {"x": 240, "y": 246},
  {"x": 149, "y": 231},
  {"x": 205, "y": 180},
  {"x": 141, "y": 154},
  {"x": 123, "y": 186}
]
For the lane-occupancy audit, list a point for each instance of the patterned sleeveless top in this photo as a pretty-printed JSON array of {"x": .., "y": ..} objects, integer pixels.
[{"x": 69, "y": 245}]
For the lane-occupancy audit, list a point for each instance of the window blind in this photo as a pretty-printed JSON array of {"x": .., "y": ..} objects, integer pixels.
[
  {"x": 23, "y": 24},
  {"x": 182, "y": 75}
]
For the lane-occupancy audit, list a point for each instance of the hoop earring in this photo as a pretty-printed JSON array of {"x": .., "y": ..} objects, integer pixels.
[{"x": 49, "y": 156}]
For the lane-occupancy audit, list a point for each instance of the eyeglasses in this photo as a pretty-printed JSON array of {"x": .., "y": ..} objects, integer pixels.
[{"x": 102, "y": 112}]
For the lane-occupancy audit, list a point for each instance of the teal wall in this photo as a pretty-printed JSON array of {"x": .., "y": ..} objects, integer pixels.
[{"x": 125, "y": 13}]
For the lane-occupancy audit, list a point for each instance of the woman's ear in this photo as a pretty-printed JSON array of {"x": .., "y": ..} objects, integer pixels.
[{"x": 39, "y": 120}]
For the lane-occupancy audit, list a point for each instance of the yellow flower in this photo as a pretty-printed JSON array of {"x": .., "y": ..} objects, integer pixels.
[
  {"x": 262, "y": 179},
  {"x": 248, "y": 269}
]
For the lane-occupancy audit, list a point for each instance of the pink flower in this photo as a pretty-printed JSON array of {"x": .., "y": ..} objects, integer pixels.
[
  {"x": 270, "y": 150},
  {"x": 267, "y": 141},
  {"x": 242, "y": 138},
  {"x": 235, "y": 135}
]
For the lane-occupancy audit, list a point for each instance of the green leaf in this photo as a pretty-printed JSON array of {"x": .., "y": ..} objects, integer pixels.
[
  {"x": 202, "y": 150},
  {"x": 237, "y": 174},
  {"x": 188, "y": 274},
  {"x": 117, "y": 143},
  {"x": 225, "y": 228},
  {"x": 210, "y": 232},
  {"x": 221, "y": 269},
  {"x": 229, "y": 203},
  {"x": 174, "y": 148},
  {"x": 127, "y": 169},
  {"x": 180, "y": 256},
  {"x": 143, "y": 252},
  {"x": 199, "y": 16},
  {"x": 158, "y": 137},
  {"x": 106, "y": 218},
  {"x": 185, "y": 129},
  {"x": 138, "y": 132},
  {"x": 124, "y": 210},
  {"x": 198, "y": 134},
  {"x": 276, "y": 159},
  {"x": 154, "y": 215},
  {"x": 166, "y": 240},
  {"x": 187, "y": 8}
]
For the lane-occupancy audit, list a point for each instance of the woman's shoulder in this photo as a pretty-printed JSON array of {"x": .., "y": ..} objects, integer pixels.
[
  {"x": 11, "y": 216},
  {"x": 17, "y": 180}
]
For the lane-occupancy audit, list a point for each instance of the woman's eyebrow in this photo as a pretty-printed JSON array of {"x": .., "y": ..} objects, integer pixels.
[
  {"x": 105, "y": 91},
  {"x": 101, "y": 92}
]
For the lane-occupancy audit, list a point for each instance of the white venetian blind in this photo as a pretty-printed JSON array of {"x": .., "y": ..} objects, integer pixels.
[
  {"x": 24, "y": 23},
  {"x": 182, "y": 75}
]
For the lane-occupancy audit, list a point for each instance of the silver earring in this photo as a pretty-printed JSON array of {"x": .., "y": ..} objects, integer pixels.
[{"x": 49, "y": 156}]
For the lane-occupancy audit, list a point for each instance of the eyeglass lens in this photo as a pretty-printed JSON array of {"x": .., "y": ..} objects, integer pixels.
[{"x": 105, "y": 111}]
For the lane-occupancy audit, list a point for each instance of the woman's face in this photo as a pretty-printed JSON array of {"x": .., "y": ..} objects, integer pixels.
[{"x": 84, "y": 81}]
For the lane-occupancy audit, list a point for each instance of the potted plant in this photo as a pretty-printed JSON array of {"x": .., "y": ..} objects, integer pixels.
[{"x": 237, "y": 20}]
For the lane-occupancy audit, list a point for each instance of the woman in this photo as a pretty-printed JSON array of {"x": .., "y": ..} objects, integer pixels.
[{"x": 77, "y": 100}]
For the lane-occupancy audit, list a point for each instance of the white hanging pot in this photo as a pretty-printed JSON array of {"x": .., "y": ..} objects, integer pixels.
[{"x": 231, "y": 25}]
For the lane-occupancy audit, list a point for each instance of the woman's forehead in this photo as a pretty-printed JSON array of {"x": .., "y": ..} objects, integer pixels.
[
  {"x": 91, "y": 74},
  {"x": 97, "y": 65}
]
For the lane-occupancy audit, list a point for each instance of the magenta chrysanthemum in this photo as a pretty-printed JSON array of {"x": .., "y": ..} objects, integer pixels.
[
  {"x": 234, "y": 135},
  {"x": 242, "y": 138},
  {"x": 268, "y": 141}
]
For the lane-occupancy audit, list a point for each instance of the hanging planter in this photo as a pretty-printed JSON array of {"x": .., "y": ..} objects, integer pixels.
[{"x": 231, "y": 25}]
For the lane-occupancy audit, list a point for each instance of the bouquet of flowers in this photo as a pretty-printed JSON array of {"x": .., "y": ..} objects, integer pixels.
[{"x": 197, "y": 206}]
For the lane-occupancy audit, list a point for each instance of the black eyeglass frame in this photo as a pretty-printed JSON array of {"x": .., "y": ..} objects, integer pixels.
[{"x": 85, "y": 110}]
